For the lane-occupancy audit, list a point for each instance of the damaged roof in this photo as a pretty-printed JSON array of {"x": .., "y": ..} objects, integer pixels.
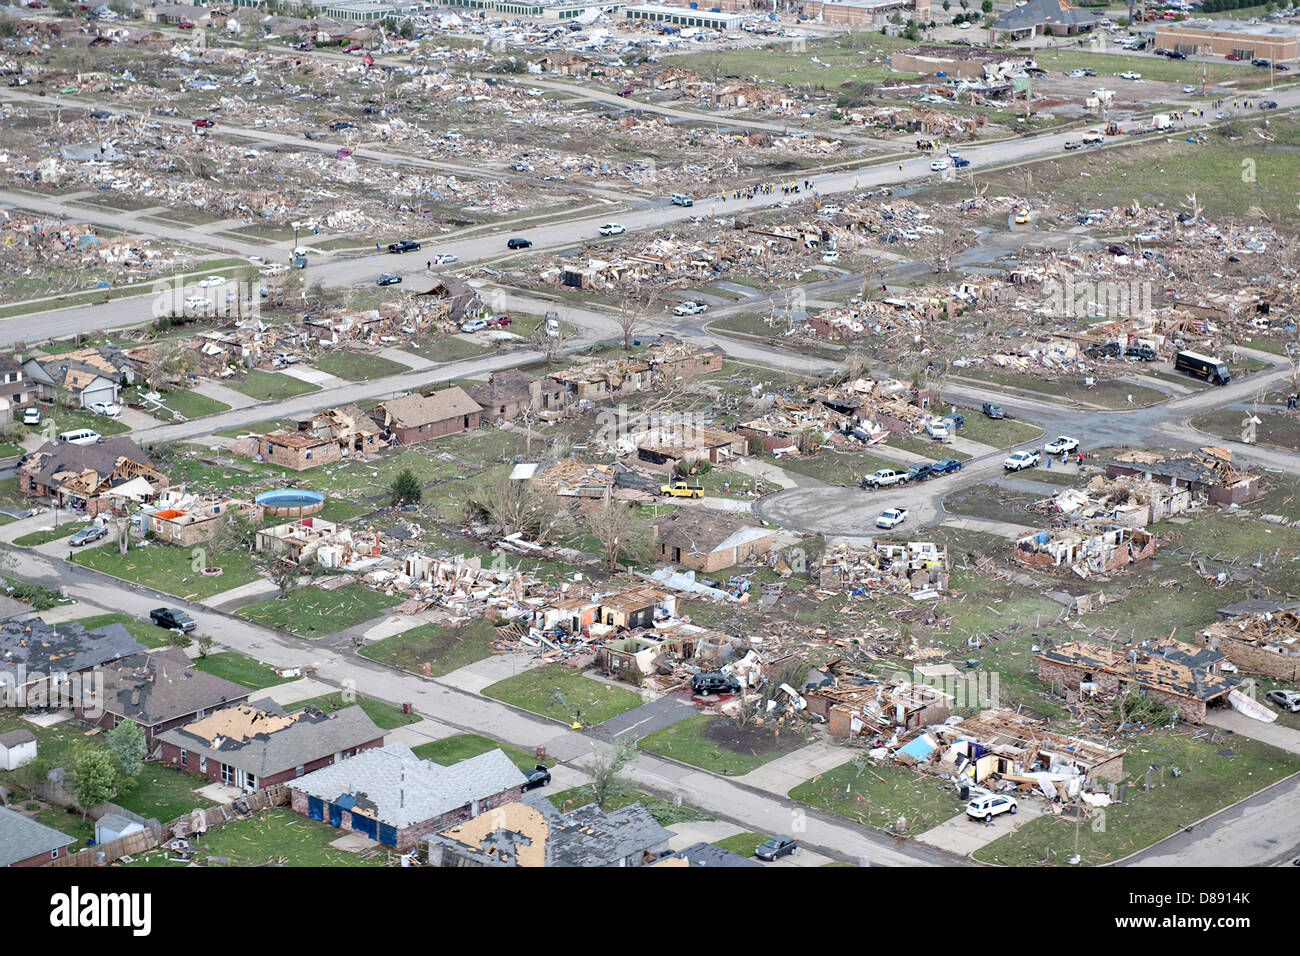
[
  {"x": 46, "y": 649},
  {"x": 150, "y": 688}
]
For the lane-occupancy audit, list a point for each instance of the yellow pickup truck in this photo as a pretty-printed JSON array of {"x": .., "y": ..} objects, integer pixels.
[{"x": 680, "y": 489}]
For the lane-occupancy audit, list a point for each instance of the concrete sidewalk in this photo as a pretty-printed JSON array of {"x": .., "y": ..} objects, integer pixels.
[
  {"x": 783, "y": 774},
  {"x": 963, "y": 835},
  {"x": 1003, "y": 529}
]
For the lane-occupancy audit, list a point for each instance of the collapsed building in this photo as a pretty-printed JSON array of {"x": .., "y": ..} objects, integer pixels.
[
  {"x": 1096, "y": 547},
  {"x": 1127, "y": 501},
  {"x": 1208, "y": 471},
  {"x": 1267, "y": 643},
  {"x": 326, "y": 437},
  {"x": 658, "y": 366},
  {"x": 920, "y": 568},
  {"x": 183, "y": 518},
  {"x": 857, "y": 703}
]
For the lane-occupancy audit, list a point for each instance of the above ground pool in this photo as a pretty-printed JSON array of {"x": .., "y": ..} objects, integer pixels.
[{"x": 291, "y": 502}]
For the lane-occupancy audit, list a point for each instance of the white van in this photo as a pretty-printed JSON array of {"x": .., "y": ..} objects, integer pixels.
[
  {"x": 681, "y": 199},
  {"x": 80, "y": 436}
]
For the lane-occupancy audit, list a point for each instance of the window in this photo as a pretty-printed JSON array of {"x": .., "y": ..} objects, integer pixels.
[
  {"x": 227, "y": 774},
  {"x": 203, "y": 764},
  {"x": 251, "y": 781},
  {"x": 185, "y": 758},
  {"x": 54, "y": 854}
]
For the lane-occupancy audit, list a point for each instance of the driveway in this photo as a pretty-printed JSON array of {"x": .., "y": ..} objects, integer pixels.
[
  {"x": 631, "y": 725},
  {"x": 963, "y": 835},
  {"x": 1284, "y": 738}
]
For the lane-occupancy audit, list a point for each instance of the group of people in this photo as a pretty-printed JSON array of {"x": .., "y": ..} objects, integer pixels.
[{"x": 767, "y": 189}]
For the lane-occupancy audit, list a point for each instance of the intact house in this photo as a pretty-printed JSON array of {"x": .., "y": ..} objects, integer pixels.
[
  {"x": 328, "y": 436},
  {"x": 94, "y": 475},
  {"x": 392, "y": 796},
  {"x": 510, "y": 394},
  {"x": 15, "y": 392},
  {"x": 259, "y": 745},
  {"x": 1042, "y": 17},
  {"x": 184, "y": 519},
  {"x": 158, "y": 690},
  {"x": 704, "y": 540},
  {"x": 1186, "y": 678},
  {"x": 81, "y": 378},
  {"x": 17, "y": 748},
  {"x": 43, "y": 664},
  {"x": 531, "y": 832},
  {"x": 417, "y": 418},
  {"x": 24, "y": 842}
]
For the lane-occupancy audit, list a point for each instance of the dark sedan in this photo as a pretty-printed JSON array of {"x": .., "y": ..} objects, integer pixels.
[
  {"x": 775, "y": 847},
  {"x": 945, "y": 465},
  {"x": 539, "y": 776},
  {"x": 920, "y": 471},
  {"x": 388, "y": 278}
]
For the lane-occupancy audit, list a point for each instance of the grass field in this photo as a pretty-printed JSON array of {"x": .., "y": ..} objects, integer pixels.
[
  {"x": 834, "y": 467},
  {"x": 460, "y": 747},
  {"x": 1274, "y": 428},
  {"x": 742, "y": 844},
  {"x": 444, "y": 649},
  {"x": 1105, "y": 393},
  {"x": 46, "y": 535},
  {"x": 842, "y": 59},
  {"x": 146, "y": 632},
  {"x": 690, "y": 742},
  {"x": 271, "y": 386},
  {"x": 67, "y": 419},
  {"x": 1151, "y": 68},
  {"x": 358, "y": 366},
  {"x": 169, "y": 570},
  {"x": 275, "y": 837},
  {"x": 185, "y": 403},
  {"x": 998, "y": 432},
  {"x": 313, "y": 612},
  {"x": 877, "y": 796},
  {"x": 560, "y": 692},
  {"x": 385, "y": 716},
  {"x": 239, "y": 668},
  {"x": 622, "y": 795}
]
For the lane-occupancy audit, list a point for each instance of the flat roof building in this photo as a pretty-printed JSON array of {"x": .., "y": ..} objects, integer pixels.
[
  {"x": 1272, "y": 41},
  {"x": 684, "y": 17}
]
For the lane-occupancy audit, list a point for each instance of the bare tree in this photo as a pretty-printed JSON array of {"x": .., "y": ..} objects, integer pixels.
[
  {"x": 550, "y": 339},
  {"x": 621, "y": 530},
  {"x": 633, "y": 315},
  {"x": 605, "y": 773},
  {"x": 516, "y": 506}
]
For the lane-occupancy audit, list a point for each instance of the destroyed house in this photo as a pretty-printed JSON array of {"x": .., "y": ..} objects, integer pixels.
[
  {"x": 1004, "y": 744},
  {"x": 184, "y": 519},
  {"x": 296, "y": 540},
  {"x": 532, "y": 832},
  {"x": 1267, "y": 643},
  {"x": 15, "y": 393},
  {"x": 326, "y": 437},
  {"x": 393, "y": 797},
  {"x": 456, "y": 296},
  {"x": 159, "y": 691},
  {"x": 1186, "y": 678},
  {"x": 510, "y": 393},
  {"x": 705, "y": 540},
  {"x": 81, "y": 378},
  {"x": 35, "y": 656},
  {"x": 657, "y": 366},
  {"x": 664, "y": 445},
  {"x": 638, "y": 606},
  {"x": 1128, "y": 501},
  {"x": 907, "y": 566},
  {"x": 855, "y": 702},
  {"x": 1208, "y": 471},
  {"x": 258, "y": 745},
  {"x": 1097, "y": 548},
  {"x": 92, "y": 472},
  {"x": 418, "y": 418}
]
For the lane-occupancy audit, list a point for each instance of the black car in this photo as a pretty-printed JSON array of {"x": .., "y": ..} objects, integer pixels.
[
  {"x": 994, "y": 410},
  {"x": 714, "y": 682},
  {"x": 1268, "y": 105},
  {"x": 774, "y": 847},
  {"x": 539, "y": 776},
  {"x": 1098, "y": 350},
  {"x": 920, "y": 471},
  {"x": 1143, "y": 353},
  {"x": 945, "y": 465},
  {"x": 1176, "y": 55},
  {"x": 342, "y": 125},
  {"x": 173, "y": 618},
  {"x": 1259, "y": 61},
  {"x": 388, "y": 278},
  {"x": 100, "y": 114},
  {"x": 518, "y": 243},
  {"x": 961, "y": 162},
  {"x": 1116, "y": 249},
  {"x": 406, "y": 245}
]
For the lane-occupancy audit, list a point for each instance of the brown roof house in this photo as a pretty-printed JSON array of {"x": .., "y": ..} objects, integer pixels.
[
  {"x": 705, "y": 540},
  {"x": 259, "y": 745},
  {"x": 159, "y": 691},
  {"x": 326, "y": 437},
  {"x": 92, "y": 473},
  {"x": 417, "y": 418},
  {"x": 511, "y": 393},
  {"x": 395, "y": 798}
]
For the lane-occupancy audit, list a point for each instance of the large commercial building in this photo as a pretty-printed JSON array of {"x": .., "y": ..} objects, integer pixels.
[
  {"x": 866, "y": 13},
  {"x": 1272, "y": 41},
  {"x": 685, "y": 17}
]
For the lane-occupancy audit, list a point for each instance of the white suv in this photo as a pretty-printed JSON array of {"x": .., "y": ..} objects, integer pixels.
[
  {"x": 611, "y": 229},
  {"x": 989, "y": 806}
]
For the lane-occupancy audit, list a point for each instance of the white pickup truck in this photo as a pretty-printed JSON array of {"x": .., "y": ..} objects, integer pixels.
[
  {"x": 891, "y": 518},
  {"x": 884, "y": 478}
]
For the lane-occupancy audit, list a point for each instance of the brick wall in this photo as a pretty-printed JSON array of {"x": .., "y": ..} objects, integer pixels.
[
  {"x": 1256, "y": 659},
  {"x": 171, "y": 757}
]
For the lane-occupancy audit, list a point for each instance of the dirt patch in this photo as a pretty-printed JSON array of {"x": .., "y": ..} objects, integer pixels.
[{"x": 751, "y": 739}]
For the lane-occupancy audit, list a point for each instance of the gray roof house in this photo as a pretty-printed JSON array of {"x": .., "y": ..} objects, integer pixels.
[
  {"x": 1045, "y": 16},
  {"x": 24, "y": 842},
  {"x": 32, "y": 651},
  {"x": 393, "y": 796}
]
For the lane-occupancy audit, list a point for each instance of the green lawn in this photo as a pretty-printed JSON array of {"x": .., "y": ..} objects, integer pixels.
[
  {"x": 169, "y": 570},
  {"x": 46, "y": 535},
  {"x": 748, "y": 749},
  {"x": 1274, "y": 428},
  {"x": 275, "y": 837},
  {"x": 561, "y": 692},
  {"x": 239, "y": 668},
  {"x": 68, "y": 419},
  {"x": 358, "y": 366},
  {"x": 460, "y": 747},
  {"x": 926, "y": 447},
  {"x": 834, "y": 467},
  {"x": 876, "y": 796},
  {"x": 271, "y": 386},
  {"x": 1151, "y": 68},
  {"x": 186, "y": 404},
  {"x": 1105, "y": 393},
  {"x": 444, "y": 649},
  {"x": 622, "y": 795},
  {"x": 743, "y": 844},
  {"x": 8, "y": 451},
  {"x": 313, "y": 612},
  {"x": 146, "y": 632},
  {"x": 1208, "y": 781},
  {"x": 385, "y": 716},
  {"x": 841, "y": 59},
  {"x": 1000, "y": 433}
]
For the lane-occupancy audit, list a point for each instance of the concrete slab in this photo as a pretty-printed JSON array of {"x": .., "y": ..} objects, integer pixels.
[
  {"x": 802, "y": 856},
  {"x": 1281, "y": 737},
  {"x": 425, "y": 731},
  {"x": 48, "y": 719},
  {"x": 220, "y": 793},
  {"x": 295, "y": 690},
  {"x": 406, "y": 358},
  {"x": 70, "y": 612},
  {"x": 381, "y": 628},
  {"x": 223, "y": 393},
  {"x": 312, "y": 375},
  {"x": 249, "y": 593},
  {"x": 779, "y": 776},
  {"x": 474, "y": 677},
  {"x": 963, "y": 835},
  {"x": 700, "y": 831},
  {"x": 1005, "y": 529}
]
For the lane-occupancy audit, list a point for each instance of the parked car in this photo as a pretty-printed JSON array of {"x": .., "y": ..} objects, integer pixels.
[
  {"x": 474, "y": 325},
  {"x": 993, "y": 410},
  {"x": 625, "y": 91},
  {"x": 1259, "y": 61},
  {"x": 1143, "y": 353},
  {"x": 1022, "y": 217},
  {"x": 186, "y": 25},
  {"x": 1130, "y": 75},
  {"x": 714, "y": 682},
  {"x": 937, "y": 165},
  {"x": 1020, "y": 460},
  {"x": 611, "y": 229},
  {"x": 682, "y": 489},
  {"x": 1286, "y": 699},
  {"x": 954, "y": 420},
  {"x": 1100, "y": 350},
  {"x": 173, "y": 619},
  {"x": 92, "y": 532},
  {"x": 498, "y": 320},
  {"x": 203, "y": 123},
  {"x": 211, "y": 282},
  {"x": 774, "y": 847},
  {"x": 388, "y": 278},
  {"x": 352, "y": 48},
  {"x": 961, "y": 162},
  {"x": 1062, "y": 443},
  {"x": 1268, "y": 104},
  {"x": 31, "y": 415},
  {"x": 831, "y": 257},
  {"x": 1189, "y": 89},
  {"x": 990, "y": 805},
  {"x": 539, "y": 776},
  {"x": 934, "y": 427},
  {"x": 517, "y": 243},
  {"x": 920, "y": 471},
  {"x": 1116, "y": 249},
  {"x": 690, "y": 308},
  {"x": 109, "y": 409},
  {"x": 1176, "y": 55},
  {"x": 405, "y": 245},
  {"x": 945, "y": 465},
  {"x": 891, "y": 518},
  {"x": 1231, "y": 56},
  {"x": 444, "y": 258},
  {"x": 883, "y": 478},
  {"x": 100, "y": 114}
]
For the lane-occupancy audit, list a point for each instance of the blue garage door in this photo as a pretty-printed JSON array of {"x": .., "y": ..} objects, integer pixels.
[
  {"x": 316, "y": 808},
  {"x": 387, "y": 834},
  {"x": 336, "y": 814},
  {"x": 364, "y": 825}
]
